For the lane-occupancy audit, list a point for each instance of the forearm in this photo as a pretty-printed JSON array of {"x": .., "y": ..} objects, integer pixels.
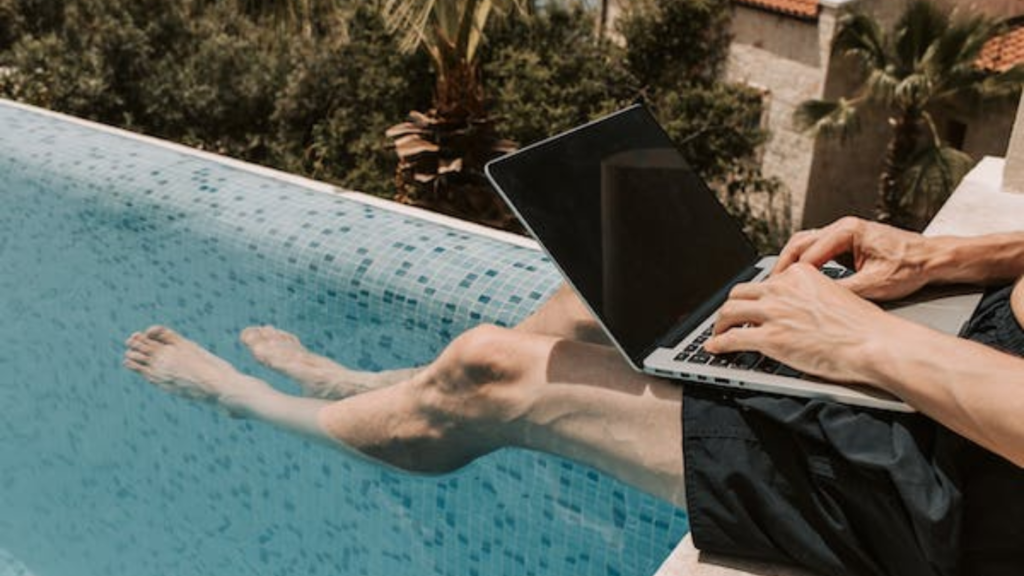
[
  {"x": 984, "y": 260},
  {"x": 971, "y": 389}
]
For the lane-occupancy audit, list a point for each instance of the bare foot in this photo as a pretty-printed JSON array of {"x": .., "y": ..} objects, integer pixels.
[
  {"x": 283, "y": 352},
  {"x": 318, "y": 376},
  {"x": 179, "y": 366}
]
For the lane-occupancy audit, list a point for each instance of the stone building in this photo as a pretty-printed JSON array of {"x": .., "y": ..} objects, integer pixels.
[{"x": 783, "y": 47}]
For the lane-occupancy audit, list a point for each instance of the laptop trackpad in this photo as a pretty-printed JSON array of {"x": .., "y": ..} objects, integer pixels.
[{"x": 942, "y": 308}]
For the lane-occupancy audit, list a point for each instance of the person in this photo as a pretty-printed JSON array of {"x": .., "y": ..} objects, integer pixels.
[{"x": 834, "y": 488}]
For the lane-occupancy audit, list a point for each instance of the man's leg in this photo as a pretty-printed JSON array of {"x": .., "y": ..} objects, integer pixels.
[
  {"x": 490, "y": 388},
  {"x": 563, "y": 316}
]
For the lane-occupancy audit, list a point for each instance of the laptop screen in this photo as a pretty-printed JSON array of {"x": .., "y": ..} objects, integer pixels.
[{"x": 632, "y": 227}]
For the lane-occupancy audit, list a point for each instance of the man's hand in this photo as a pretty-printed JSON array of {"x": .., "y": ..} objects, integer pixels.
[
  {"x": 802, "y": 318},
  {"x": 890, "y": 263}
]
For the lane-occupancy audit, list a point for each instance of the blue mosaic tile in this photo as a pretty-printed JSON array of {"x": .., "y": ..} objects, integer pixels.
[{"x": 101, "y": 235}]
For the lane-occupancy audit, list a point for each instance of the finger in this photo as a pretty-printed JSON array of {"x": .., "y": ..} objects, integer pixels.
[
  {"x": 747, "y": 291},
  {"x": 793, "y": 249},
  {"x": 739, "y": 313},
  {"x": 859, "y": 283},
  {"x": 827, "y": 247},
  {"x": 872, "y": 286},
  {"x": 736, "y": 340}
]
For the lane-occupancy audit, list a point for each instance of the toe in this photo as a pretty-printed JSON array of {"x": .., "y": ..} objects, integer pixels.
[
  {"x": 249, "y": 335},
  {"x": 141, "y": 344},
  {"x": 137, "y": 357},
  {"x": 133, "y": 365},
  {"x": 163, "y": 334},
  {"x": 281, "y": 334}
]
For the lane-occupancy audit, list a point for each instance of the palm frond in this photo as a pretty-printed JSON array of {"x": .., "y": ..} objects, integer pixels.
[
  {"x": 859, "y": 36},
  {"x": 1007, "y": 83},
  {"x": 974, "y": 85},
  {"x": 914, "y": 91},
  {"x": 453, "y": 27},
  {"x": 471, "y": 30},
  {"x": 409, "y": 20},
  {"x": 931, "y": 176},
  {"x": 918, "y": 29},
  {"x": 880, "y": 86},
  {"x": 838, "y": 118},
  {"x": 960, "y": 45}
]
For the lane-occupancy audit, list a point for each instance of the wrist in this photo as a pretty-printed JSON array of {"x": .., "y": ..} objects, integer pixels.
[
  {"x": 890, "y": 340},
  {"x": 899, "y": 343},
  {"x": 942, "y": 260}
]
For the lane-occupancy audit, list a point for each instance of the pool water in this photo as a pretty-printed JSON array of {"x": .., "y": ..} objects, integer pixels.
[{"x": 102, "y": 234}]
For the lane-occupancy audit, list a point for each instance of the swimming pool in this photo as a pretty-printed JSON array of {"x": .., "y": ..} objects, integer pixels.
[{"x": 103, "y": 233}]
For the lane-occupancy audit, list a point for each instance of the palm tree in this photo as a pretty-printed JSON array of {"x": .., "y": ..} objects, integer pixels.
[
  {"x": 442, "y": 151},
  {"x": 929, "y": 59}
]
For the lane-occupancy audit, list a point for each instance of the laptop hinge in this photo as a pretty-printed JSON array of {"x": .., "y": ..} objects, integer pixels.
[{"x": 680, "y": 330}]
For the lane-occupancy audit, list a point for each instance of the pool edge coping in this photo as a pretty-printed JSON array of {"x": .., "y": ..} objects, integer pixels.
[{"x": 303, "y": 181}]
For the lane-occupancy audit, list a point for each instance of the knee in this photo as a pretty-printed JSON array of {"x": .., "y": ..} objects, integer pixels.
[
  {"x": 479, "y": 380},
  {"x": 463, "y": 403},
  {"x": 482, "y": 355}
]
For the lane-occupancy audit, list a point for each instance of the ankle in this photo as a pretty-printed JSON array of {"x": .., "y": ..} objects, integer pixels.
[{"x": 241, "y": 399}]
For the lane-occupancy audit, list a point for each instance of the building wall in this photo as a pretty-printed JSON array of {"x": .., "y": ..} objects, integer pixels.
[
  {"x": 1013, "y": 175},
  {"x": 788, "y": 58},
  {"x": 844, "y": 175},
  {"x": 828, "y": 178}
]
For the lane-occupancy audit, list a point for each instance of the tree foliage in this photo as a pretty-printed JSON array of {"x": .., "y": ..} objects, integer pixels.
[
  {"x": 672, "y": 41},
  {"x": 221, "y": 75},
  {"x": 337, "y": 103},
  {"x": 676, "y": 50},
  {"x": 547, "y": 74}
]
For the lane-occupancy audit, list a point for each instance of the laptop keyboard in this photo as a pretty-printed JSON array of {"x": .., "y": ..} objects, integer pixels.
[{"x": 695, "y": 353}]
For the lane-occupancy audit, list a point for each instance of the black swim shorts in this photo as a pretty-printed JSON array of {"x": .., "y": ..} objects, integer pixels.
[{"x": 842, "y": 490}]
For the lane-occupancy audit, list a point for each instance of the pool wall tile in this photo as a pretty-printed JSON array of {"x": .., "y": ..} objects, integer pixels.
[{"x": 102, "y": 234}]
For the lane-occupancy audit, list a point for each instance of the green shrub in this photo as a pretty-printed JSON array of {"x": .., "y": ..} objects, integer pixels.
[
  {"x": 338, "y": 101},
  {"x": 89, "y": 58},
  {"x": 217, "y": 91},
  {"x": 676, "y": 40},
  {"x": 549, "y": 73}
]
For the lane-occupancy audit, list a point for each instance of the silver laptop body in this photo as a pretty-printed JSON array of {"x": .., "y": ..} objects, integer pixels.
[{"x": 613, "y": 204}]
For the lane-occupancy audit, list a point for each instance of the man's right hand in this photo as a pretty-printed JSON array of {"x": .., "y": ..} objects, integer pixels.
[{"x": 890, "y": 263}]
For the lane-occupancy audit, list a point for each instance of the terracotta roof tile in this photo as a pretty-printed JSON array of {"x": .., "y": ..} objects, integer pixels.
[
  {"x": 799, "y": 8},
  {"x": 1004, "y": 51}
]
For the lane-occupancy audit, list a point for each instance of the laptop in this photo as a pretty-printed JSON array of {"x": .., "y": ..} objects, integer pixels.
[{"x": 649, "y": 249}]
